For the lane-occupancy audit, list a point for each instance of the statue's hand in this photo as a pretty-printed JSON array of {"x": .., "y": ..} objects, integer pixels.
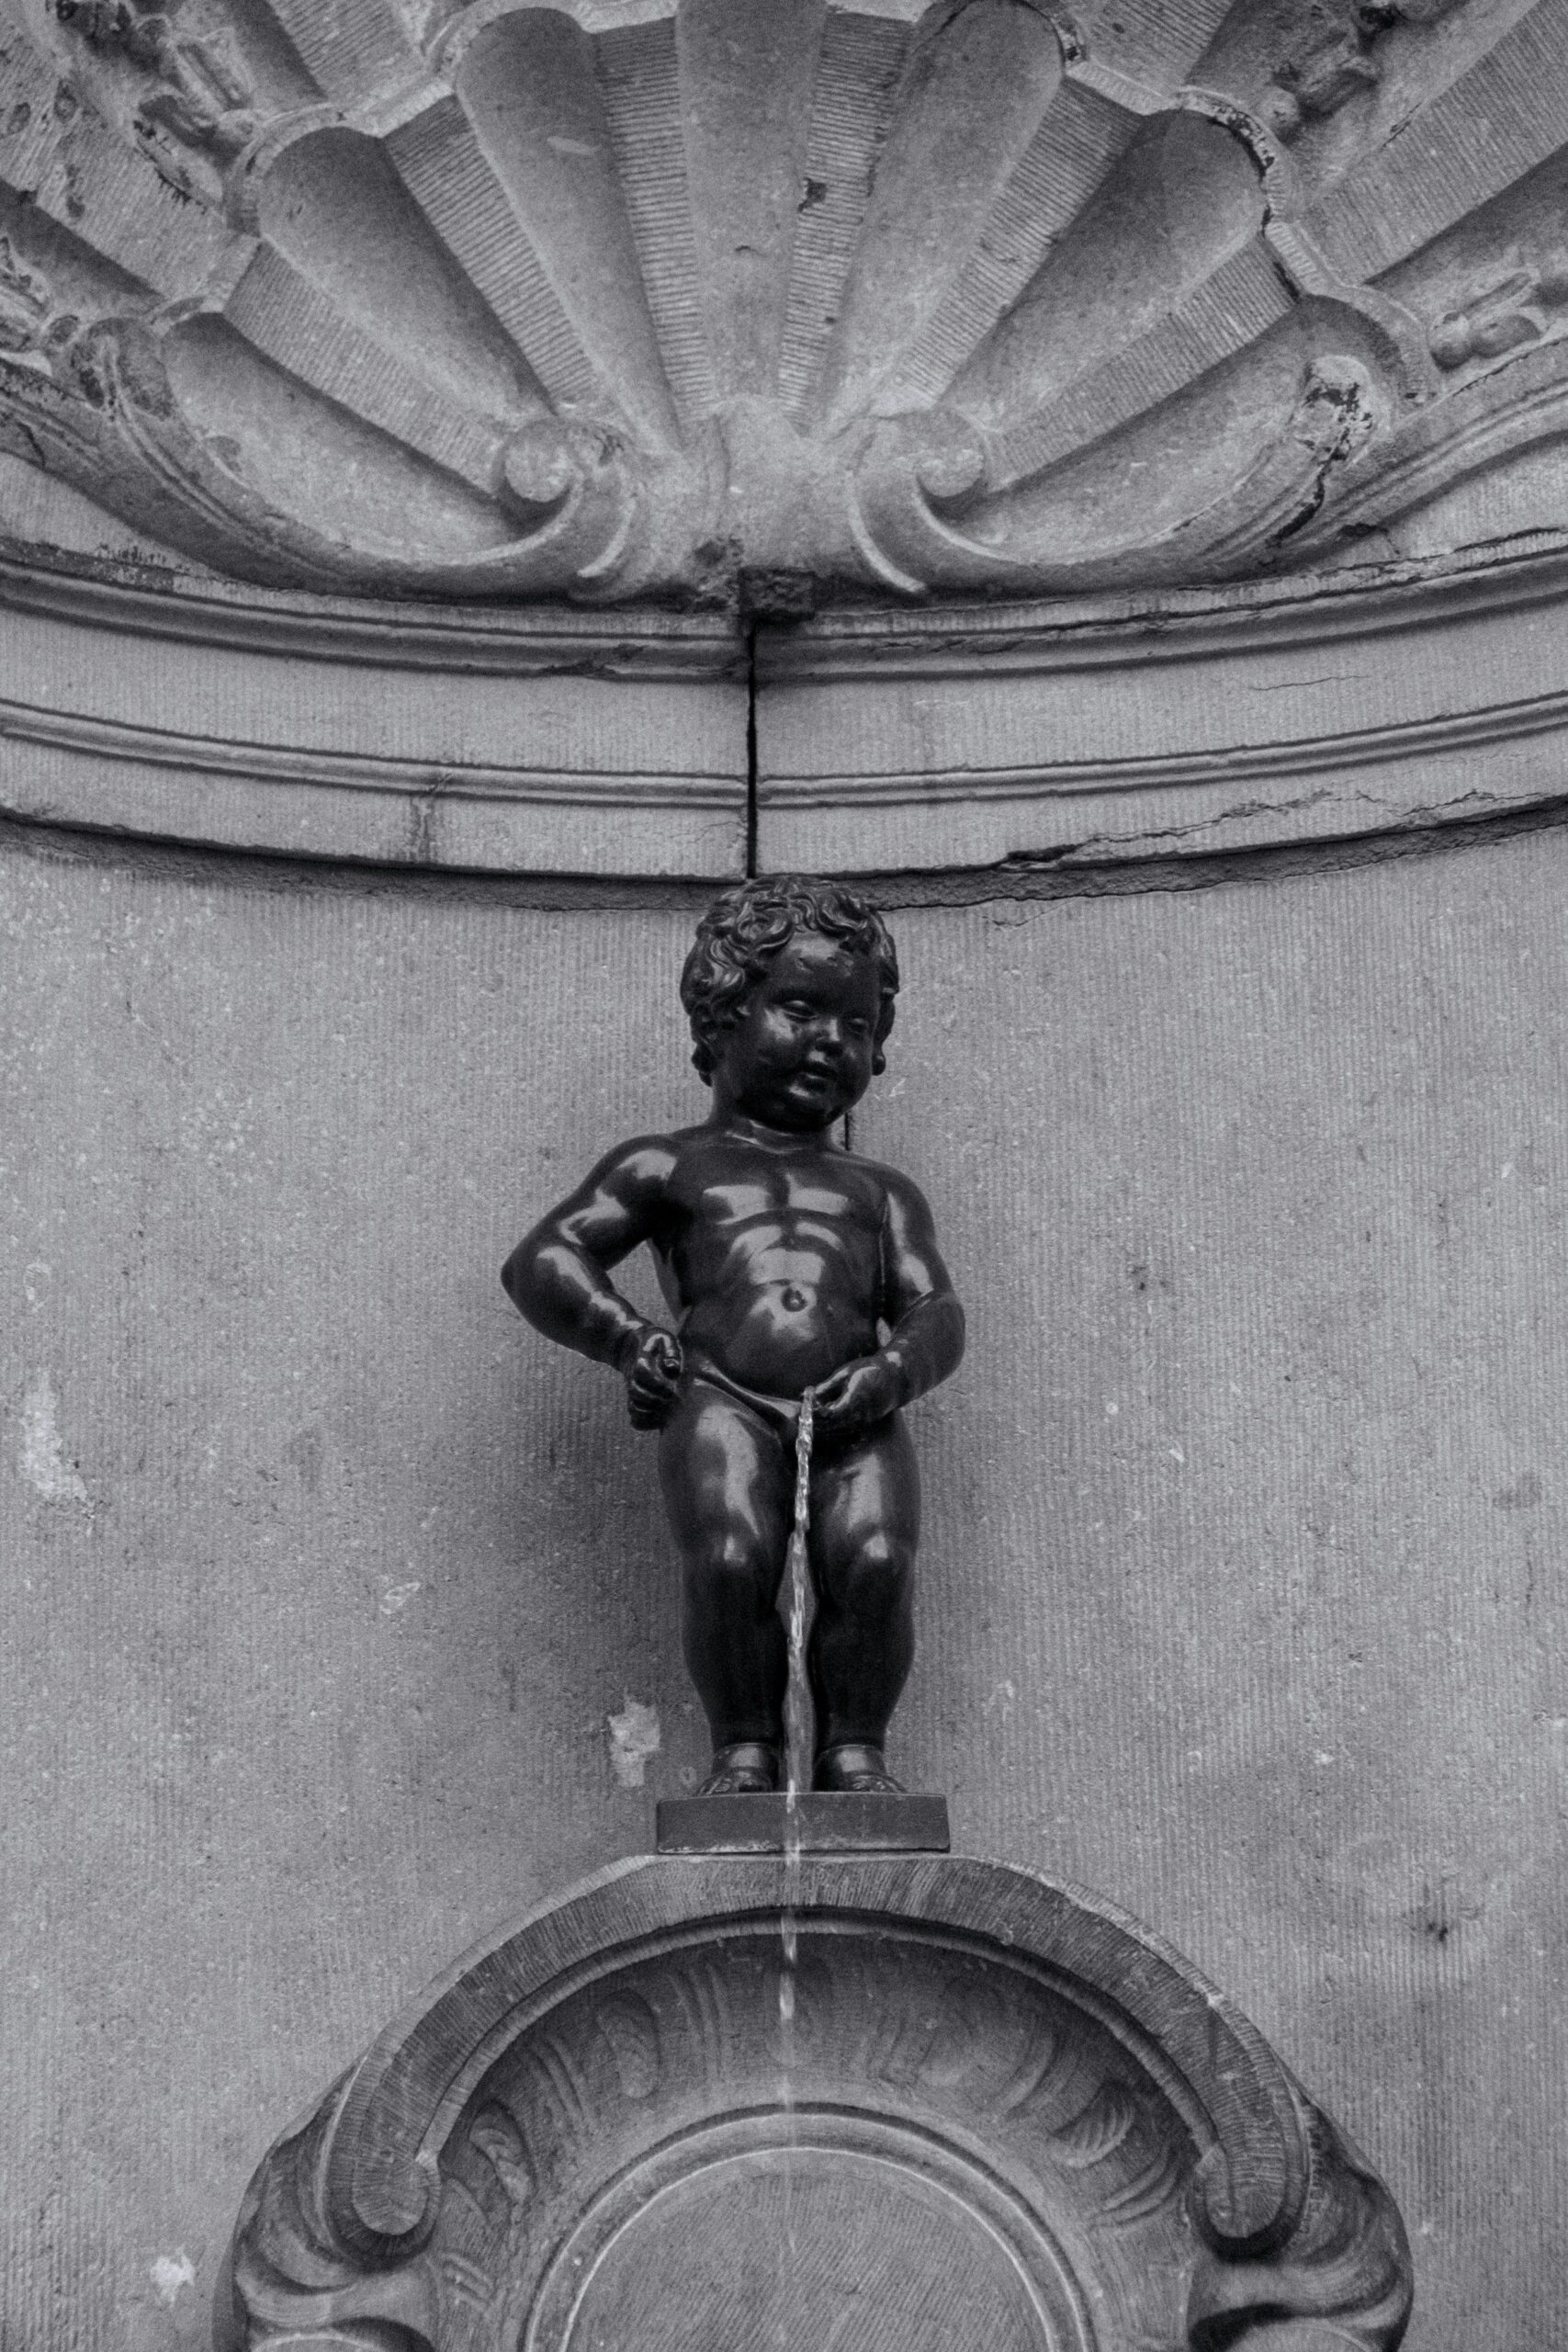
[
  {"x": 652, "y": 1376},
  {"x": 857, "y": 1395}
]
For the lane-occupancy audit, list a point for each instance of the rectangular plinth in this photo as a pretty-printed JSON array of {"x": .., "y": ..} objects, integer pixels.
[{"x": 823, "y": 1825}]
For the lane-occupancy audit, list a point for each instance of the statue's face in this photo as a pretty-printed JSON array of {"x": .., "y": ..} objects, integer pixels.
[{"x": 801, "y": 1053}]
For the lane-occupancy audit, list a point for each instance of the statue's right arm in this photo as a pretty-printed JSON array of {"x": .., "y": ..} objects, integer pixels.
[{"x": 558, "y": 1274}]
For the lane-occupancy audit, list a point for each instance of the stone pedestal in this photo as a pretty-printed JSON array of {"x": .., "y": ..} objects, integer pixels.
[{"x": 887, "y": 2103}]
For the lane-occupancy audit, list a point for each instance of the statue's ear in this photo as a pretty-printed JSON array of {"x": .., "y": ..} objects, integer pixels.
[{"x": 879, "y": 1060}]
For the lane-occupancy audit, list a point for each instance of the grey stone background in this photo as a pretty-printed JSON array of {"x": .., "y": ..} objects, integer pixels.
[{"x": 1242, "y": 1591}]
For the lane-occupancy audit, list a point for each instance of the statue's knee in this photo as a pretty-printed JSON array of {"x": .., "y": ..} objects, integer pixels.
[
  {"x": 730, "y": 1575},
  {"x": 878, "y": 1581}
]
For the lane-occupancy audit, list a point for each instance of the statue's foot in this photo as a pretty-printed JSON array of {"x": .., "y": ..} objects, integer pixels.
[
  {"x": 855, "y": 1769},
  {"x": 747, "y": 1770}
]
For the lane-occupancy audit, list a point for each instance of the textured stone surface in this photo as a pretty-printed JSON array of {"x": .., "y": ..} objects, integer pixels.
[
  {"x": 322, "y": 1579},
  {"x": 898, "y": 2104},
  {"x": 728, "y": 300}
]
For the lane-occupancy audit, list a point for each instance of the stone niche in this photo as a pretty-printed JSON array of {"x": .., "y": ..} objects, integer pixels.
[
  {"x": 1020, "y": 449},
  {"x": 911, "y": 2104}
]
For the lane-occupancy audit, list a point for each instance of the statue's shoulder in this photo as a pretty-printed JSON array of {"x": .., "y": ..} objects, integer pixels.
[
  {"x": 640, "y": 1164},
  {"x": 659, "y": 1159},
  {"x": 881, "y": 1177}
]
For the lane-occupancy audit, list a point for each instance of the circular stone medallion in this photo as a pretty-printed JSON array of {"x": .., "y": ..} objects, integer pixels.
[
  {"x": 806, "y": 2247},
  {"x": 723, "y": 2139}
]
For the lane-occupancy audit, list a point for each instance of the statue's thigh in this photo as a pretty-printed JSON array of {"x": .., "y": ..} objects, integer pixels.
[
  {"x": 866, "y": 1500},
  {"x": 726, "y": 1476}
]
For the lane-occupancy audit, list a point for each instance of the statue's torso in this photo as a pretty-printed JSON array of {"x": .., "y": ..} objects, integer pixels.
[{"x": 773, "y": 1258}]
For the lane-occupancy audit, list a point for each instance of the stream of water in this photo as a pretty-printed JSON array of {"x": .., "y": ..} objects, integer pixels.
[
  {"x": 797, "y": 1705},
  {"x": 798, "y": 1746},
  {"x": 797, "y": 1700}
]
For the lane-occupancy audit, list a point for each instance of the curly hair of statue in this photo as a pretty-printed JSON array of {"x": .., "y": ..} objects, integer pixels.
[{"x": 744, "y": 930}]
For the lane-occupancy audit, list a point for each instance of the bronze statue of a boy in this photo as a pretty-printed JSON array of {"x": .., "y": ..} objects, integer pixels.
[{"x": 791, "y": 1263}]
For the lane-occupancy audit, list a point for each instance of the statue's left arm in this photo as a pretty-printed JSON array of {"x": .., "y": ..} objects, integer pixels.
[
  {"x": 926, "y": 1338},
  {"x": 920, "y": 1308}
]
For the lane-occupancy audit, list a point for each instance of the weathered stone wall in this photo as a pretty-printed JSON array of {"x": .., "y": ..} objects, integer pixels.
[{"x": 324, "y": 1574}]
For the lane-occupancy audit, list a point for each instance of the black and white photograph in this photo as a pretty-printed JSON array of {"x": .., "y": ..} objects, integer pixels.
[{"x": 784, "y": 1175}]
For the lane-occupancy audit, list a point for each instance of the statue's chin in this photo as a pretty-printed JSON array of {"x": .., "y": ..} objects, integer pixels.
[{"x": 803, "y": 1114}]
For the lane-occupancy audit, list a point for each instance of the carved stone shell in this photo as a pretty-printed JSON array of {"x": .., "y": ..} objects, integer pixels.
[{"x": 617, "y": 298}]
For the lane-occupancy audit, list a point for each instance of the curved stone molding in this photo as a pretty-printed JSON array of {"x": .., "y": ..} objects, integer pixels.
[
  {"x": 931, "y": 2102},
  {"x": 1093, "y": 734},
  {"x": 608, "y": 299},
  {"x": 426, "y": 737},
  {"x": 557, "y": 742}
]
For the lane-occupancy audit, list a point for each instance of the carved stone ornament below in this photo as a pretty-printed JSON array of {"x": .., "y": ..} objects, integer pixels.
[
  {"x": 757, "y": 298},
  {"x": 857, "y": 2105}
]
